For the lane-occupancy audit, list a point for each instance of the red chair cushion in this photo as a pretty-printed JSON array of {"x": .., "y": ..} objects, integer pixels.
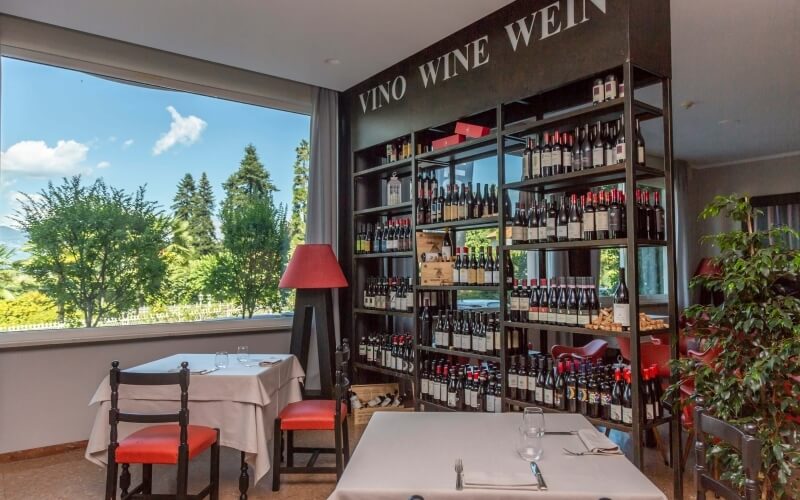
[
  {"x": 158, "y": 444},
  {"x": 310, "y": 415}
]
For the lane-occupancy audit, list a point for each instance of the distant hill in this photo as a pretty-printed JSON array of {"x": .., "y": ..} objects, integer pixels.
[{"x": 13, "y": 239}]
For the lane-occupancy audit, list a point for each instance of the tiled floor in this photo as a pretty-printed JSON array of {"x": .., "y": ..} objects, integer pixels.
[{"x": 70, "y": 476}]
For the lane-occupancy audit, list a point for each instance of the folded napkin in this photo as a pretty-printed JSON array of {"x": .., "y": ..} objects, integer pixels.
[
  {"x": 269, "y": 361},
  {"x": 500, "y": 481},
  {"x": 597, "y": 444}
]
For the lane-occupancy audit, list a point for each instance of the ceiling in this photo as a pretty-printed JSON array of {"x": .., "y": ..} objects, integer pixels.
[{"x": 737, "y": 61}]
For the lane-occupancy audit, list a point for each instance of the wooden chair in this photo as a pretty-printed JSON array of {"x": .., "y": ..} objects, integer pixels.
[
  {"x": 743, "y": 440},
  {"x": 314, "y": 415},
  {"x": 158, "y": 444}
]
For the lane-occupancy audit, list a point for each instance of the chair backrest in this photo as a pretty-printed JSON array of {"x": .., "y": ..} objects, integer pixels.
[
  {"x": 342, "y": 381},
  {"x": 592, "y": 351},
  {"x": 743, "y": 440},
  {"x": 118, "y": 377}
]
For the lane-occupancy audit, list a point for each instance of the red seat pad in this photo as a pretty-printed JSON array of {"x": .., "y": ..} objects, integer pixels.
[
  {"x": 158, "y": 444},
  {"x": 310, "y": 415}
]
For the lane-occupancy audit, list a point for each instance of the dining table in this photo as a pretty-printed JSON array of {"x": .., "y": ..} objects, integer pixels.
[
  {"x": 405, "y": 454},
  {"x": 241, "y": 399}
]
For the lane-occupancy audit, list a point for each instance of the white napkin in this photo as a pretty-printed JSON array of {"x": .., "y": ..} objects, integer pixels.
[
  {"x": 500, "y": 481},
  {"x": 597, "y": 444},
  {"x": 269, "y": 361}
]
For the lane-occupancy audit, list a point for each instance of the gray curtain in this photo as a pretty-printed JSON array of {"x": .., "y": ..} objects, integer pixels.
[
  {"x": 683, "y": 233},
  {"x": 323, "y": 194}
]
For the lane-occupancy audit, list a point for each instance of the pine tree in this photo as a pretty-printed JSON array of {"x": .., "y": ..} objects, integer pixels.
[
  {"x": 184, "y": 199},
  {"x": 297, "y": 223},
  {"x": 202, "y": 225},
  {"x": 251, "y": 178}
]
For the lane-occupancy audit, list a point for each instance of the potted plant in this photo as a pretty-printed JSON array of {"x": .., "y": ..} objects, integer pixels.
[{"x": 754, "y": 378}]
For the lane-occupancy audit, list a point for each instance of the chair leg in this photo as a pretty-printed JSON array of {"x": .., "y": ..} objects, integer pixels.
[
  {"x": 183, "y": 474},
  {"x": 215, "y": 469},
  {"x": 660, "y": 445},
  {"x": 346, "y": 443},
  {"x": 687, "y": 447},
  {"x": 289, "y": 448},
  {"x": 125, "y": 479},
  {"x": 147, "y": 479},
  {"x": 277, "y": 448},
  {"x": 111, "y": 480},
  {"x": 339, "y": 459}
]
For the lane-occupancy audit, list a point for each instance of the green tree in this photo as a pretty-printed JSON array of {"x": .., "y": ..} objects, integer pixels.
[
  {"x": 205, "y": 238},
  {"x": 251, "y": 178},
  {"x": 27, "y": 309},
  {"x": 183, "y": 203},
  {"x": 94, "y": 249},
  {"x": 256, "y": 243},
  {"x": 8, "y": 275},
  {"x": 297, "y": 222}
]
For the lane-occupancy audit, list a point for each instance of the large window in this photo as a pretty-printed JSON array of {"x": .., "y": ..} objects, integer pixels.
[{"x": 129, "y": 204}]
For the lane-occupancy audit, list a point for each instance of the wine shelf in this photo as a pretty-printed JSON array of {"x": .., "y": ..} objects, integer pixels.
[
  {"x": 386, "y": 168},
  {"x": 590, "y": 244},
  {"x": 580, "y": 330},
  {"x": 465, "y": 151},
  {"x": 463, "y": 225},
  {"x": 642, "y": 110},
  {"x": 401, "y": 208},
  {"x": 384, "y": 371},
  {"x": 457, "y": 288},
  {"x": 378, "y": 312},
  {"x": 461, "y": 354},
  {"x": 583, "y": 179},
  {"x": 595, "y": 421},
  {"x": 384, "y": 255},
  {"x": 435, "y": 406}
]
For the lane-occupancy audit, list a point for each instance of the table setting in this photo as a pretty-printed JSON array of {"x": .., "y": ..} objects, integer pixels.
[{"x": 441, "y": 455}]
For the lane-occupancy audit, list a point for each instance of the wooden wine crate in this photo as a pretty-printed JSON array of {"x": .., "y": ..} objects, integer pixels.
[
  {"x": 436, "y": 273},
  {"x": 366, "y": 392},
  {"x": 429, "y": 243}
]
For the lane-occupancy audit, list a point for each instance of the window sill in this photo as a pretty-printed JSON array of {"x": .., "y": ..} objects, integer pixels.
[{"x": 76, "y": 336}]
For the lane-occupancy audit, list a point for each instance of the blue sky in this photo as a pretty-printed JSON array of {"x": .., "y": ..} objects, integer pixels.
[{"x": 56, "y": 122}]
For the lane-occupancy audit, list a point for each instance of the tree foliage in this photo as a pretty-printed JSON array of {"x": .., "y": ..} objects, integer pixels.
[
  {"x": 27, "y": 308},
  {"x": 94, "y": 249},
  {"x": 251, "y": 179},
  {"x": 203, "y": 232},
  {"x": 297, "y": 223},
  {"x": 183, "y": 203},
  {"x": 757, "y": 332}
]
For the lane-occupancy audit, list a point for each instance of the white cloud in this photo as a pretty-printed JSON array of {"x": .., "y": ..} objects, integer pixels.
[
  {"x": 184, "y": 130},
  {"x": 112, "y": 138},
  {"x": 37, "y": 159},
  {"x": 127, "y": 144},
  {"x": 104, "y": 164}
]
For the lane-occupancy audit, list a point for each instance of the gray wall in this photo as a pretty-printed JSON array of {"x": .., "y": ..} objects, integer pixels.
[
  {"x": 44, "y": 392},
  {"x": 758, "y": 178}
]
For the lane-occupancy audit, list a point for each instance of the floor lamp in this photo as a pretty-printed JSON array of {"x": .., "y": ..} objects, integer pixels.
[{"x": 313, "y": 272}]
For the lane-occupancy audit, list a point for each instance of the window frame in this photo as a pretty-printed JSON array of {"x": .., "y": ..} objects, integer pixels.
[{"x": 68, "y": 49}]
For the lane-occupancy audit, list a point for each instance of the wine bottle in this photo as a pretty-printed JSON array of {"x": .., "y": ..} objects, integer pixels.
[
  {"x": 597, "y": 148},
  {"x": 447, "y": 247},
  {"x": 574, "y": 221},
  {"x": 457, "y": 268},
  {"x": 586, "y": 149},
  {"x": 566, "y": 153},
  {"x": 589, "y": 219},
  {"x": 512, "y": 381},
  {"x": 659, "y": 215},
  {"x": 549, "y": 385},
  {"x": 533, "y": 374},
  {"x": 572, "y": 303},
  {"x": 627, "y": 401},
  {"x": 560, "y": 392},
  {"x": 557, "y": 165},
  {"x": 600, "y": 217},
  {"x": 547, "y": 158},
  {"x": 463, "y": 276},
  {"x": 598, "y": 91},
  {"x": 619, "y": 145},
  {"x": 614, "y": 217},
  {"x": 576, "y": 158},
  {"x": 527, "y": 160},
  {"x": 572, "y": 389},
  {"x": 610, "y": 87},
  {"x": 617, "y": 391},
  {"x": 533, "y": 303},
  {"x": 639, "y": 141},
  {"x": 522, "y": 381},
  {"x": 621, "y": 302}
]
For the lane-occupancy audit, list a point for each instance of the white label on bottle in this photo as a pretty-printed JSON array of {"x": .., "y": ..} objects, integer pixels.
[
  {"x": 487, "y": 277},
  {"x": 640, "y": 154},
  {"x": 498, "y": 340},
  {"x": 512, "y": 380},
  {"x": 548, "y": 397},
  {"x": 515, "y": 303},
  {"x": 547, "y": 159},
  {"x": 620, "y": 152},
  {"x": 622, "y": 314},
  {"x": 584, "y": 319},
  {"x": 456, "y": 276},
  {"x": 498, "y": 405},
  {"x": 533, "y": 315},
  {"x": 434, "y": 388},
  {"x": 561, "y": 318},
  {"x": 522, "y": 383},
  {"x": 370, "y": 354},
  {"x": 451, "y": 399},
  {"x": 574, "y": 231},
  {"x": 447, "y": 253},
  {"x": 463, "y": 276},
  {"x": 598, "y": 93},
  {"x": 538, "y": 394},
  {"x": 567, "y": 159},
  {"x": 536, "y": 167},
  {"x": 488, "y": 342},
  {"x": 518, "y": 233},
  {"x": 362, "y": 351},
  {"x": 424, "y": 386},
  {"x": 597, "y": 157},
  {"x": 649, "y": 411},
  {"x": 551, "y": 226},
  {"x": 610, "y": 160},
  {"x": 588, "y": 221},
  {"x": 533, "y": 234},
  {"x": 627, "y": 415},
  {"x": 473, "y": 399},
  {"x": 601, "y": 220},
  {"x": 490, "y": 404},
  {"x": 561, "y": 232},
  {"x": 616, "y": 413},
  {"x": 611, "y": 90}
]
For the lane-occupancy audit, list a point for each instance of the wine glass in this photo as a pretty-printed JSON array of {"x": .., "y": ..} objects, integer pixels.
[
  {"x": 221, "y": 360},
  {"x": 529, "y": 444},
  {"x": 533, "y": 419},
  {"x": 242, "y": 354}
]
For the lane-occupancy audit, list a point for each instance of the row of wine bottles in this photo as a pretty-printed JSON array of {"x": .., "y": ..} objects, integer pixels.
[
  {"x": 597, "y": 146},
  {"x": 595, "y": 390},
  {"x": 398, "y": 150},
  {"x": 462, "y": 387},
  {"x": 393, "y": 352},
  {"x": 476, "y": 268},
  {"x": 607, "y": 89},
  {"x": 569, "y": 301},
  {"x": 389, "y": 294},
  {"x": 598, "y": 215},
  {"x": 468, "y": 331},
  {"x": 436, "y": 205},
  {"x": 393, "y": 236}
]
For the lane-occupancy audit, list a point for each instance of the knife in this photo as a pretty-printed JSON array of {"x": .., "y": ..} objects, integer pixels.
[
  {"x": 539, "y": 478},
  {"x": 560, "y": 433},
  {"x": 206, "y": 372}
]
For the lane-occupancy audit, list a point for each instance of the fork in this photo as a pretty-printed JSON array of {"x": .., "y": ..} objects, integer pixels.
[{"x": 459, "y": 471}]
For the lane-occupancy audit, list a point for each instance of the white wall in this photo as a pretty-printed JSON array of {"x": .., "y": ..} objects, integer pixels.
[
  {"x": 44, "y": 392},
  {"x": 757, "y": 178}
]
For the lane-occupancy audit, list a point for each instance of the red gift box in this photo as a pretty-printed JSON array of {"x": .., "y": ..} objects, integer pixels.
[
  {"x": 471, "y": 130},
  {"x": 447, "y": 141}
]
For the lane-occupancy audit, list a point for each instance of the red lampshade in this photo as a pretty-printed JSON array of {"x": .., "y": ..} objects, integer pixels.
[{"x": 313, "y": 266}]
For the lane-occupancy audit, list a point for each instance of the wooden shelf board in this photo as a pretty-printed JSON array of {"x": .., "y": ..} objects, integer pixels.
[
  {"x": 385, "y": 210},
  {"x": 588, "y": 244},
  {"x": 384, "y": 371},
  {"x": 384, "y": 255},
  {"x": 463, "y": 225},
  {"x": 580, "y": 330},
  {"x": 378, "y": 312},
  {"x": 461, "y": 354},
  {"x": 385, "y": 168},
  {"x": 583, "y": 179},
  {"x": 468, "y": 149}
]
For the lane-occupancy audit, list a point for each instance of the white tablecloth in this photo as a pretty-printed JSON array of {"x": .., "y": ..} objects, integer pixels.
[
  {"x": 402, "y": 454},
  {"x": 242, "y": 401}
]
